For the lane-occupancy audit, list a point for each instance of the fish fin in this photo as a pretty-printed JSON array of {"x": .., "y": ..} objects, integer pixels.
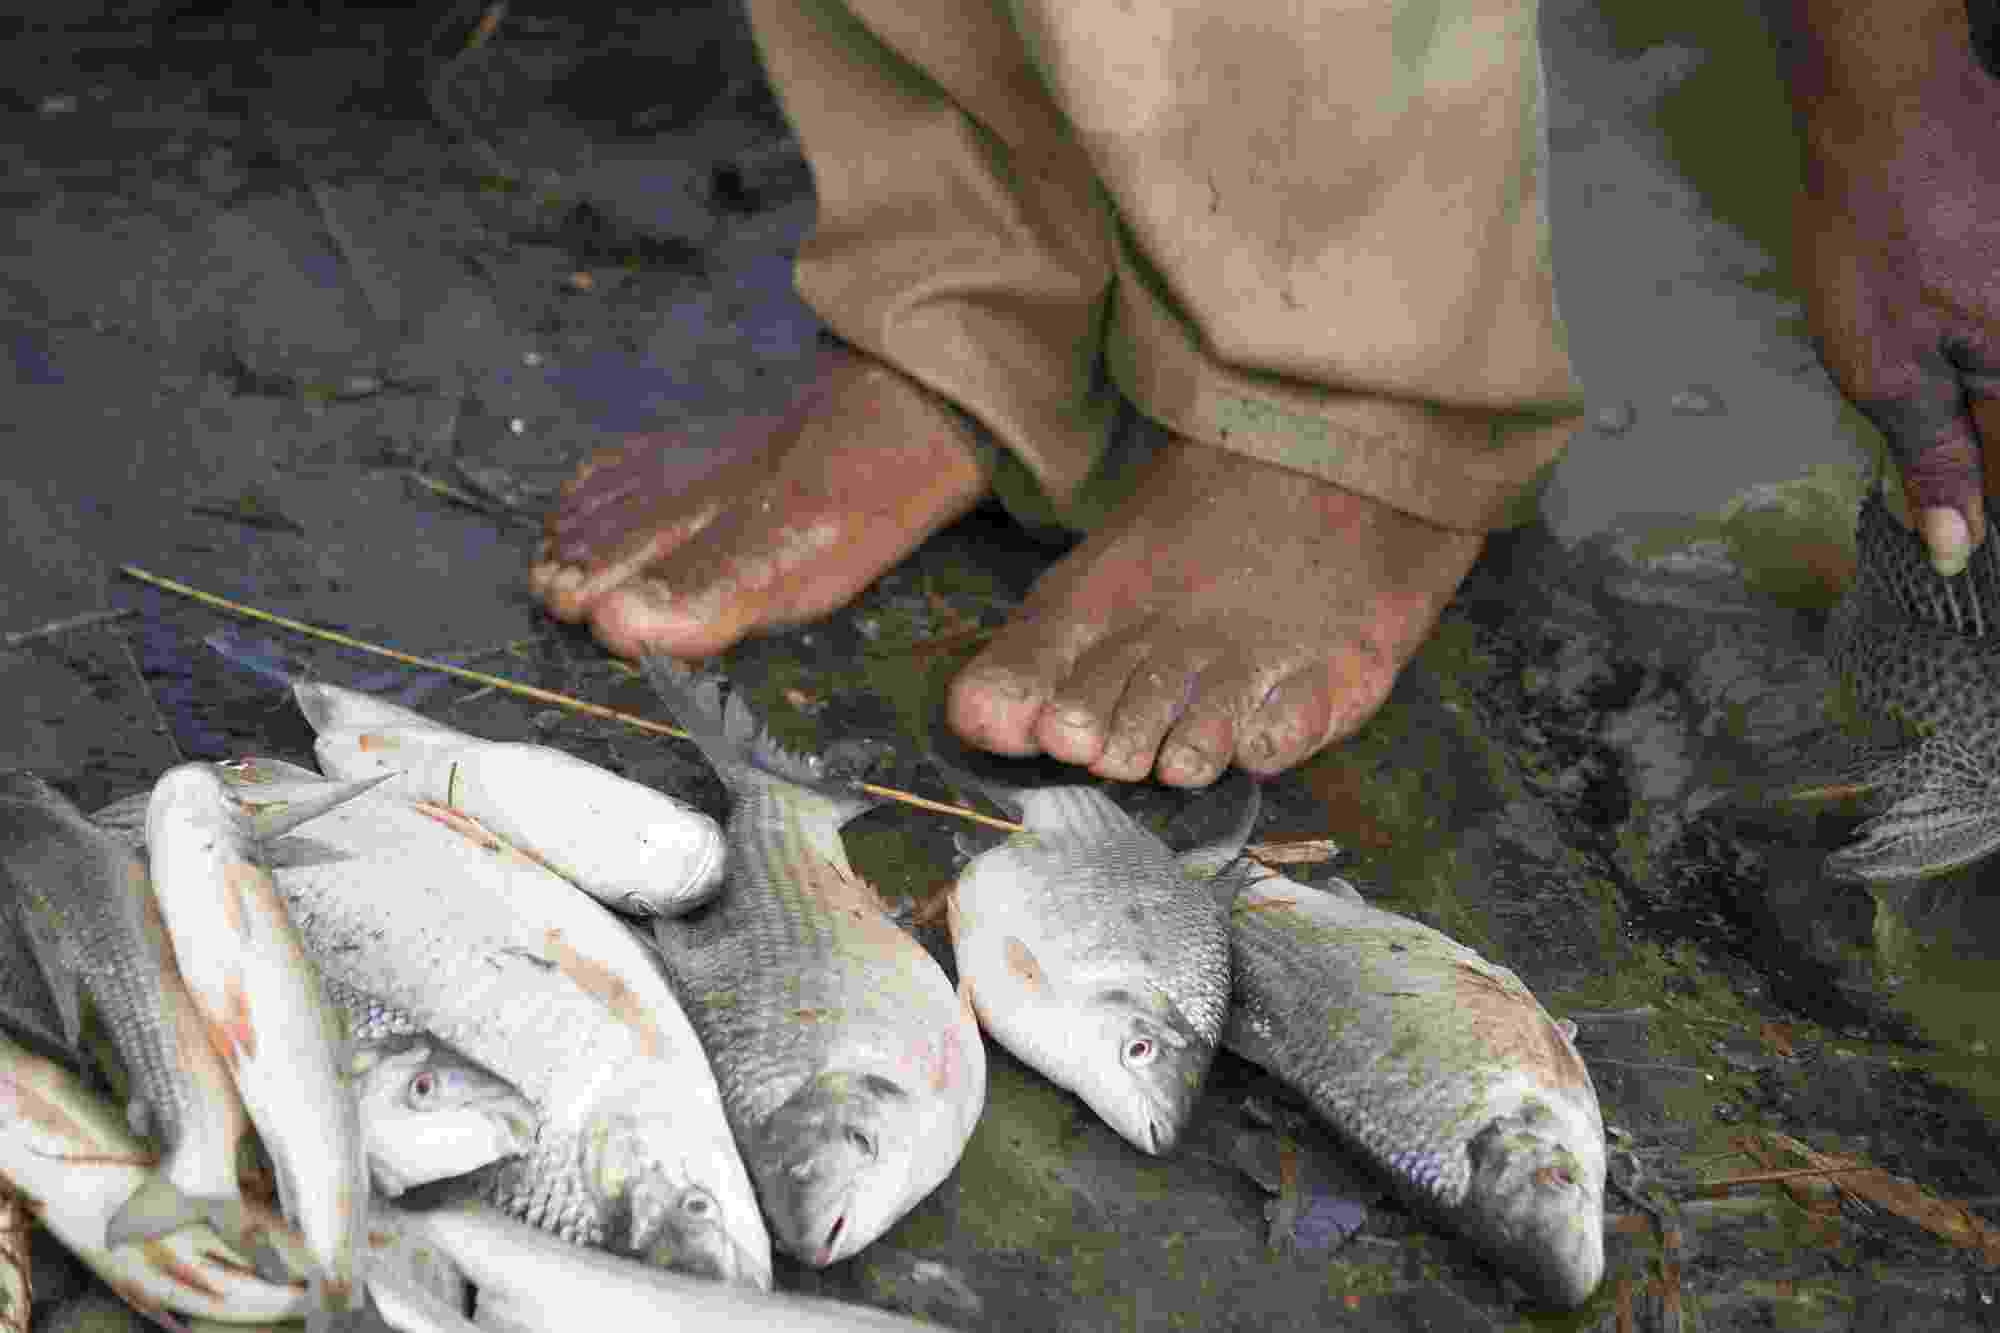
[
  {"x": 65, "y": 985},
  {"x": 730, "y": 734},
  {"x": 1931, "y": 831},
  {"x": 1243, "y": 1036},
  {"x": 364, "y": 1316},
  {"x": 273, "y": 822},
  {"x": 159, "y": 1208},
  {"x": 406, "y": 1304},
  {"x": 1227, "y": 882},
  {"x": 953, "y": 763},
  {"x": 1240, "y": 797}
]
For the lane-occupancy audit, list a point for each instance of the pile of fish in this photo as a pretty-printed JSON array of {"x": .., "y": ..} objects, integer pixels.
[{"x": 625, "y": 1050}]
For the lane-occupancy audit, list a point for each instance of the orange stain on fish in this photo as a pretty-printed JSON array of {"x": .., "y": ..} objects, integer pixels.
[
  {"x": 1507, "y": 1021},
  {"x": 608, "y": 988},
  {"x": 1021, "y": 962},
  {"x": 162, "y": 1261}
]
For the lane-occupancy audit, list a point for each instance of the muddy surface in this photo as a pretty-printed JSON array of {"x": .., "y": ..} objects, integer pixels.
[{"x": 315, "y": 313}]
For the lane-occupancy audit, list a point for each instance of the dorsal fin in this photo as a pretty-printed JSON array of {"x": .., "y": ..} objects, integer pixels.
[{"x": 737, "y": 743}]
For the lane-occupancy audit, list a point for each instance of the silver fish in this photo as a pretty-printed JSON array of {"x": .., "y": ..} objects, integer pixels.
[
  {"x": 1436, "y": 1064},
  {"x": 428, "y": 1113},
  {"x": 852, "y": 1073},
  {"x": 247, "y": 969},
  {"x": 1920, "y": 652},
  {"x": 628, "y": 846},
  {"x": 71, "y": 1153},
  {"x": 82, "y": 898},
  {"x": 528, "y": 1283},
  {"x": 1098, "y": 957},
  {"x": 481, "y": 946}
]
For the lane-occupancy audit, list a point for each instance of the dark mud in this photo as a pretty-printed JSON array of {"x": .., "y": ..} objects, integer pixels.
[{"x": 316, "y": 313}]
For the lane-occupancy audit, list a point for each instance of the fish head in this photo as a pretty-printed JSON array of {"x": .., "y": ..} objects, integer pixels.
[
  {"x": 837, "y": 1164},
  {"x": 429, "y": 1114},
  {"x": 1136, "y": 1060},
  {"x": 1535, "y": 1200},
  {"x": 662, "y": 1208},
  {"x": 678, "y": 1225}
]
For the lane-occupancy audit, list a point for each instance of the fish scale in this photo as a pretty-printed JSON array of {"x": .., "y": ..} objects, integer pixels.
[
  {"x": 1921, "y": 652},
  {"x": 851, "y": 1071},
  {"x": 83, "y": 899},
  {"x": 1090, "y": 852},
  {"x": 1438, "y": 1065},
  {"x": 1097, "y": 956}
]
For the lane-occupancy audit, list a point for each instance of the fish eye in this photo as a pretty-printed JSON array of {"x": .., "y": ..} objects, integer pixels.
[
  {"x": 423, "y": 1086},
  {"x": 861, "y": 1141},
  {"x": 1140, "y": 1051},
  {"x": 697, "y": 1204}
]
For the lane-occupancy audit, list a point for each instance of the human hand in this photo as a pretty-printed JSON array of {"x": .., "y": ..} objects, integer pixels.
[{"x": 1898, "y": 233}]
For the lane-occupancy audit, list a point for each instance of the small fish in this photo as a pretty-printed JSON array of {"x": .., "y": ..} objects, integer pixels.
[
  {"x": 260, "y": 994},
  {"x": 852, "y": 1073},
  {"x": 1438, "y": 1066},
  {"x": 1098, "y": 957},
  {"x": 529, "y": 1283},
  {"x": 84, "y": 902},
  {"x": 630, "y": 847},
  {"x": 428, "y": 1113},
  {"x": 441, "y": 928},
  {"x": 1920, "y": 652},
  {"x": 72, "y": 1154}
]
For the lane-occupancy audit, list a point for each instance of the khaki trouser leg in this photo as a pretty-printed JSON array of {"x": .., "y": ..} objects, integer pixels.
[{"x": 1311, "y": 233}]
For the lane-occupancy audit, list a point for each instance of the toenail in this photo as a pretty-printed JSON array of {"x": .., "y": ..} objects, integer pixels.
[
  {"x": 1076, "y": 719},
  {"x": 1186, "y": 761}
]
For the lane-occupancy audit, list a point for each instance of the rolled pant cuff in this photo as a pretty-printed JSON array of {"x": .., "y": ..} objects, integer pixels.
[{"x": 1471, "y": 469}]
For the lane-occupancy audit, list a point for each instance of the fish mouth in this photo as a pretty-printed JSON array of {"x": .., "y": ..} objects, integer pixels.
[{"x": 829, "y": 1248}]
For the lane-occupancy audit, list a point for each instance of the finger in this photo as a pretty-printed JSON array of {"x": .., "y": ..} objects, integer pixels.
[{"x": 1925, "y": 418}]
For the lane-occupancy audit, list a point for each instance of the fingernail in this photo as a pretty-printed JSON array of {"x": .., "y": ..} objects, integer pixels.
[{"x": 1950, "y": 541}]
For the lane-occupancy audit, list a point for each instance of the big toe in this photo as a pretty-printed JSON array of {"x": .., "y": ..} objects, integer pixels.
[{"x": 997, "y": 700}]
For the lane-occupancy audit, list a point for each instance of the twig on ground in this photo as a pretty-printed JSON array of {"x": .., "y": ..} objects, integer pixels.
[
  {"x": 500, "y": 683},
  {"x": 82, "y": 620},
  {"x": 160, "y": 723}
]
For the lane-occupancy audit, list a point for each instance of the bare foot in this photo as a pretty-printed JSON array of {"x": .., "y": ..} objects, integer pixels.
[
  {"x": 1230, "y": 610},
  {"x": 863, "y": 467}
]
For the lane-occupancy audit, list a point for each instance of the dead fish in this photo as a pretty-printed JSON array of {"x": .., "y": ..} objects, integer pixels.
[
  {"x": 428, "y": 1113},
  {"x": 71, "y": 1153},
  {"x": 1920, "y": 652},
  {"x": 1436, "y": 1064},
  {"x": 1097, "y": 956},
  {"x": 852, "y": 1073},
  {"x": 247, "y": 969},
  {"x": 467, "y": 939},
  {"x": 82, "y": 898},
  {"x": 528, "y": 1283},
  {"x": 630, "y": 847}
]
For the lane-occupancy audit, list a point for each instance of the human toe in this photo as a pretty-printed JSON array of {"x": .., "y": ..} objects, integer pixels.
[
  {"x": 1076, "y": 720},
  {"x": 1156, "y": 696},
  {"x": 1305, "y": 712},
  {"x": 997, "y": 700}
]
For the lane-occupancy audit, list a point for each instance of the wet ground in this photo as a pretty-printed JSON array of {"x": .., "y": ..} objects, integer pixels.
[{"x": 315, "y": 312}]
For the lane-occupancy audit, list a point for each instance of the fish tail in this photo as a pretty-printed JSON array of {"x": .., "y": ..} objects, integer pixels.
[
  {"x": 1945, "y": 814},
  {"x": 342, "y": 1308},
  {"x": 159, "y": 1208},
  {"x": 730, "y": 734}
]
